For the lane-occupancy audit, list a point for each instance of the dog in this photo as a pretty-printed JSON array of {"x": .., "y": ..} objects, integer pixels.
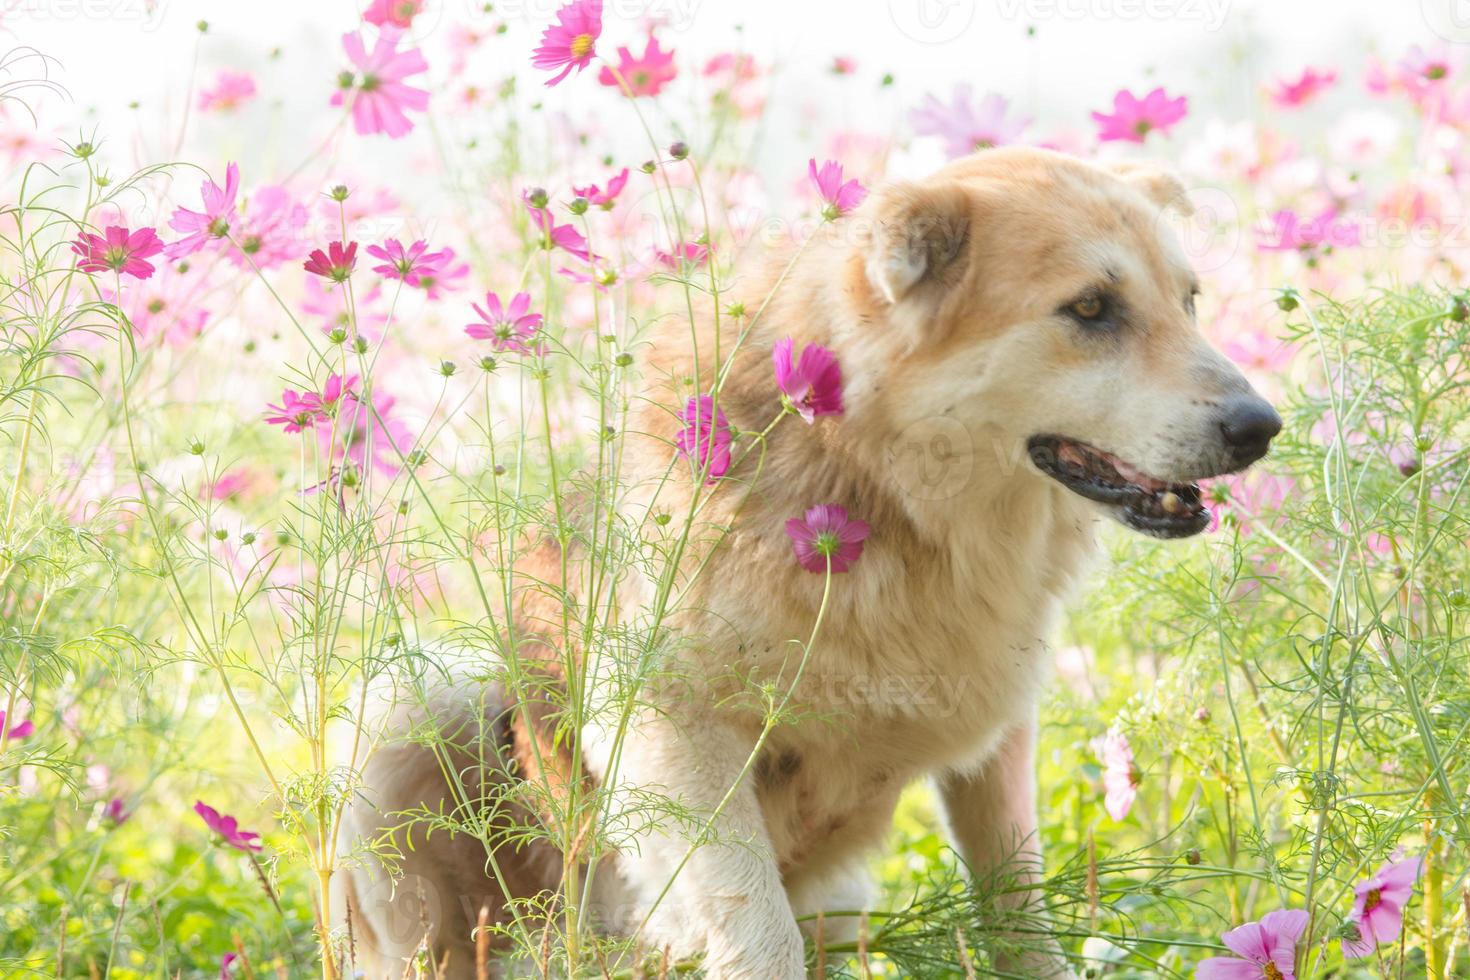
[{"x": 1020, "y": 363}]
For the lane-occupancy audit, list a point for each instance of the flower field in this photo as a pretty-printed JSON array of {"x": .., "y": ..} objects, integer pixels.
[{"x": 277, "y": 426}]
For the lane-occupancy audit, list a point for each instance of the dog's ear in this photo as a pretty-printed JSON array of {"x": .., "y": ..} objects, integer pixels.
[
  {"x": 917, "y": 243},
  {"x": 1161, "y": 186}
]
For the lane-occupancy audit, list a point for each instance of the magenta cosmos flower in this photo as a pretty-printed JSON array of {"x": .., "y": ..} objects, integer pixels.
[
  {"x": 964, "y": 126},
  {"x": 1120, "y": 776},
  {"x": 509, "y": 327},
  {"x": 20, "y": 730},
  {"x": 572, "y": 41},
  {"x": 201, "y": 227},
  {"x": 1378, "y": 909},
  {"x": 118, "y": 250},
  {"x": 604, "y": 198},
  {"x": 705, "y": 437},
  {"x": 812, "y": 383},
  {"x": 377, "y": 92},
  {"x": 395, "y": 13},
  {"x": 826, "y": 534},
  {"x": 1134, "y": 118},
  {"x": 1290, "y": 94},
  {"x": 553, "y": 235},
  {"x": 224, "y": 966},
  {"x": 299, "y": 411},
  {"x": 1266, "y": 949},
  {"x": 231, "y": 90},
  {"x": 408, "y": 264},
  {"x": 646, "y": 74},
  {"x": 336, "y": 263},
  {"x": 227, "y": 828},
  {"x": 840, "y": 197}
]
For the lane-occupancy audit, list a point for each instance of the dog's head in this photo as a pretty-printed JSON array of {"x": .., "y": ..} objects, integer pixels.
[{"x": 1045, "y": 303}]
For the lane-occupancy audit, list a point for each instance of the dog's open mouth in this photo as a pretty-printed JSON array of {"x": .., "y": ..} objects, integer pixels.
[{"x": 1142, "y": 502}]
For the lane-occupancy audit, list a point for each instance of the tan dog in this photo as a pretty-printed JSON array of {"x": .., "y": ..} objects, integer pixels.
[{"x": 1020, "y": 361}]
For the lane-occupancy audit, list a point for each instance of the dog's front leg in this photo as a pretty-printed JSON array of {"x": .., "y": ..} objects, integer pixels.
[
  {"x": 991, "y": 814},
  {"x": 703, "y": 861}
]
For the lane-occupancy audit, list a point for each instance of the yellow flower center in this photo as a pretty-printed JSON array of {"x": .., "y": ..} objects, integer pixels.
[
  {"x": 1272, "y": 972},
  {"x": 582, "y": 45}
]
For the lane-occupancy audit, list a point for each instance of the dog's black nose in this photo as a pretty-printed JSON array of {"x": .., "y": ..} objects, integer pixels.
[{"x": 1248, "y": 425}]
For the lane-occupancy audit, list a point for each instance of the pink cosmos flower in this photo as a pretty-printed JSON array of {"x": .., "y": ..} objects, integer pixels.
[
  {"x": 508, "y": 328},
  {"x": 227, "y": 828},
  {"x": 166, "y": 308},
  {"x": 705, "y": 437},
  {"x": 228, "y": 485},
  {"x": 377, "y": 92},
  {"x": 604, "y": 198},
  {"x": 332, "y": 393},
  {"x": 118, "y": 250},
  {"x": 1120, "y": 775},
  {"x": 572, "y": 41},
  {"x": 368, "y": 434},
  {"x": 1420, "y": 69},
  {"x": 296, "y": 411},
  {"x": 646, "y": 74},
  {"x": 270, "y": 231},
  {"x": 684, "y": 255},
  {"x": 840, "y": 197},
  {"x": 964, "y": 126},
  {"x": 408, "y": 264},
  {"x": 1291, "y": 94},
  {"x": 1290, "y": 233},
  {"x": 812, "y": 383},
  {"x": 1378, "y": 908},
  {"x": 1134, "y": 118},
  {"x": 599, "y": 279},
  {"x": 329, "y": 304},
  {"x": 20, "y": 730},
  {"x": 438, "y": 273},
  {"x": 827, "y": 534},
  {"x": 201, "y": 227},
  {"x": 1267, "y": 949},
  {"x": 336, "y": 263},
  {"x": 231, "y": 90},
  {"x": 395, "y": 13},
  {"x": 553, "y": 235}
]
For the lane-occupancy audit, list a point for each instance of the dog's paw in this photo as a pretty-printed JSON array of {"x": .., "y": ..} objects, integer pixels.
[{"x": 760, "y": 954}]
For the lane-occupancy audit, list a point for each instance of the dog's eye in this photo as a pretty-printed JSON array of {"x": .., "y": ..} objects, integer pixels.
[{"x": 1088, "y": 308}]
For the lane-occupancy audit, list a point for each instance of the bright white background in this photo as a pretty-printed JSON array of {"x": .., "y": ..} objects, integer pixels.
[{"x": 126, "y": 64}]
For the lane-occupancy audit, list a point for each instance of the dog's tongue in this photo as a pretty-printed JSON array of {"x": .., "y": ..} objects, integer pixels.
[{"x": 1136, "y": 476}]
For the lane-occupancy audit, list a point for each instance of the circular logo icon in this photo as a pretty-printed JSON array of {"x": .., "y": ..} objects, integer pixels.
[
  {"x": 932, "y": 21},
  {"x": 1450, "y": 19},
  {"x": 932, "y": 459},
  {"x": 1208, "y": 226}
]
